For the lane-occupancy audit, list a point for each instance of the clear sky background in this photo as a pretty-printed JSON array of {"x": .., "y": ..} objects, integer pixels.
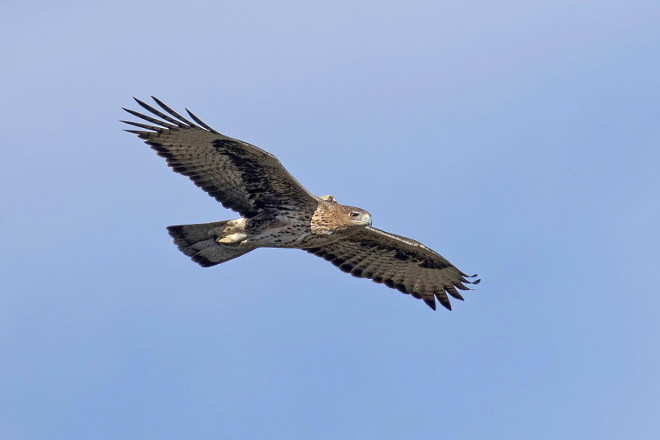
[{"x": 520, "y": 139}]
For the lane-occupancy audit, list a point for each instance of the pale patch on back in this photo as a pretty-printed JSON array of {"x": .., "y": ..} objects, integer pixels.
[{"x": 328, "y": 198}]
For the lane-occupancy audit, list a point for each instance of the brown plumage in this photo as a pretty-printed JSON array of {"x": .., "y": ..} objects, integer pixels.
[{"x": 277, "y": 211}]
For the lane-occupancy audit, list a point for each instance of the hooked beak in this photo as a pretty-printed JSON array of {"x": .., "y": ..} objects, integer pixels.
[{"x": 366, "y": 219}]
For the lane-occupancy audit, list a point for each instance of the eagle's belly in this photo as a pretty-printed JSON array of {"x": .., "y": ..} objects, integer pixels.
[
  {"x": 279, "y": 232},
  {"x": 285, "y": 237}
]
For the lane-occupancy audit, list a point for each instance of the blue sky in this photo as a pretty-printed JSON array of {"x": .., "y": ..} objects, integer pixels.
[{"x": 518, "y": 139}]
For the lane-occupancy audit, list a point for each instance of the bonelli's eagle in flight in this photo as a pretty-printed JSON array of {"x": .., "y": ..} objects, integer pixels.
[{"x": 277, "y": 211}]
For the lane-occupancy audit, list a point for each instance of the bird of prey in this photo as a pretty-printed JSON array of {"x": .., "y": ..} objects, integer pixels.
[{"x": 278, "y": 212}]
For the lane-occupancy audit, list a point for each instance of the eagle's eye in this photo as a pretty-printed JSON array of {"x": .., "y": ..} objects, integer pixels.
[{"x": 354, "y": 214}]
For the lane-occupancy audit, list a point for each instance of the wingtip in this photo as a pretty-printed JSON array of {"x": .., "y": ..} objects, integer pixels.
[
  {"x": 137, "y": 132},
  {"x": 444, "y": 300},
  {"x": 430, "y": 302},
  {"x": 173, "y": 113},
  {"x": 474, "y": 283},
  {"x": 158, "y": 101},
  {"x": 200, "y": 122},
  {"x": 129, "y": 111}
]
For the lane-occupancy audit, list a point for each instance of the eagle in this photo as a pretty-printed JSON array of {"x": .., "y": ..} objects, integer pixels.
[{"x": 278, "y": 212}]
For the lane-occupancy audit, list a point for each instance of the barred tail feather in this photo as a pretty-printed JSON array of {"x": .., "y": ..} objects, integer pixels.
[{"x": 199, "y": 243}]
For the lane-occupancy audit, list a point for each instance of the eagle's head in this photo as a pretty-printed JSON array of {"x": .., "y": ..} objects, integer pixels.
[
  {"x": 332, "y": 217},
  {"x": 357, "y": 216}
]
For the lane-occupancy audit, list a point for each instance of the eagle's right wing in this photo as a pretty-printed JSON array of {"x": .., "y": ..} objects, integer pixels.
[
  {"x": 398, "y": 262},
  {"x": 241, "y": 176}
]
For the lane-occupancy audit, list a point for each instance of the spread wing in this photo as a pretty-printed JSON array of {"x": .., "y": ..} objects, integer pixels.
[
  {"x": 398, "y": 262},
  {"x": 241, "y": 176}
]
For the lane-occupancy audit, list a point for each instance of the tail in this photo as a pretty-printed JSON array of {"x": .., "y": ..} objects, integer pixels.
[{"x": 199, "y": 242}]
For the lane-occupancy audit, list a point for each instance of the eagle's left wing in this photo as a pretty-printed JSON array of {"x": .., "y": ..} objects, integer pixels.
[
  {"x": 398, "y": 262},
  {"x": 241, "y": 176}
]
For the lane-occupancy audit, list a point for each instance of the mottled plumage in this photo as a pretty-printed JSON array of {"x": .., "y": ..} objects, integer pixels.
[{"x": 277, "y": 211}]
